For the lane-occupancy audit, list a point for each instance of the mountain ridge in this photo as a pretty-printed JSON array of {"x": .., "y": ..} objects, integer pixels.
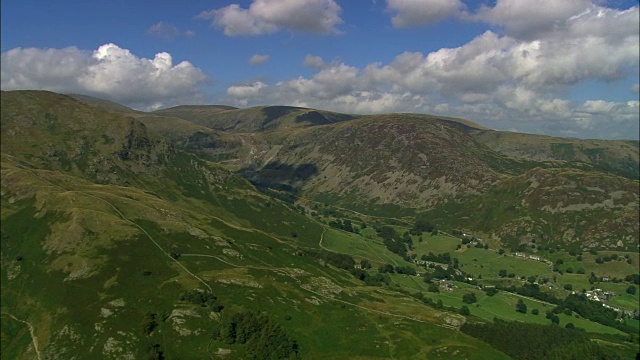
[{"x": 121, "y": 231}]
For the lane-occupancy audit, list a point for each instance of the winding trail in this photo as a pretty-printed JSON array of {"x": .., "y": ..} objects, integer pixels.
[
  {"x": 324, "y": 230},
  {"x": 123, "y": 218},
  {"x": 329, "y": 298},
  {"x": 280, "y": 270},
  {"x": 34, "y": 339}
]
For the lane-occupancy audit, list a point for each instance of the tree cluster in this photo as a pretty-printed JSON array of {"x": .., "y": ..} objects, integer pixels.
[
  {"x": 263, "y": 337},
  {"x": 344, "y": 225},
  {"x": 393, "y": 241},
  {"x": 202, "y": 298},
  {"x": 422, "y": 225},
  {"x": 593, "y": 311},
  {"x": 527, "y": 341}
]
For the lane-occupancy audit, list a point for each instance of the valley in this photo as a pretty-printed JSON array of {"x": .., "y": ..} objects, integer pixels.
[{"x": 291, "y": 233}]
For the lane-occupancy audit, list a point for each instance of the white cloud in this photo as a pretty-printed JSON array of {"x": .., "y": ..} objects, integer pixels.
[
  {"x": 524, "y": 18},
  {"x": 314, "y": 61},
  {"x": 258, "y": 59},
  {"x": 268, "y": 16},
  {"x": 238, "y": 21},
  {"x": 420, "y": 12},
  {"x": 500, "y": 80},
  {"x": 167, "y": 31},
  {"x": 245, "y": 91},
  {"x": 110, "y": 72}
]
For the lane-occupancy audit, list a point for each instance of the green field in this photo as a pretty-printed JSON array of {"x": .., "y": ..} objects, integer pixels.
[
  {"x": 488, "y": 263},
  {"x": 501, "y": 305},
  {"x": 356, "y": 245},
  {"x": 437, "y": 244}
]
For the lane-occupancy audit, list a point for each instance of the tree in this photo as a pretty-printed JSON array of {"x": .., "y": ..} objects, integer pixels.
[
  {"x": 469, "y": 298},
  {"x": 568, "y": 287},
  {"x": 365, "y": 264},
  {"x": 386, "y": 268},
  {"x": 502, "y": 273},
  {"x": 433, "y": 288},
  {"x": 553, "y": 317},
  {"x": 568, "y": 312},
  {"x": 631, "y": 290},
  {"x": 535, "y": 312},
  {"x": 491, "y": 291},
  {"x": 464, "y": 310},
  {"x": 149, "y": 323},
  {"x": 521, "y": 306},
  {"x": 423, "y": 225}
]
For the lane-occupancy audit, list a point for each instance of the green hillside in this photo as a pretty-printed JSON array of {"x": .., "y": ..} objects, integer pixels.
[{"x": 132, "y": 235}]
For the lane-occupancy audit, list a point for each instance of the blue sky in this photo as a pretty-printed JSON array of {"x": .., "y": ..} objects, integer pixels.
[{"x": 557, "y": 67}]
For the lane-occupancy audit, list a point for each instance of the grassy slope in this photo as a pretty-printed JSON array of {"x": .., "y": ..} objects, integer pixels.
[
  {"x": 616, "y": 156},
  {"x": 84, "y": 263},
  {"x": 111, "y": 244},
  {"x": 116, "y": 275},
  {"x": 255, "y": 119}
]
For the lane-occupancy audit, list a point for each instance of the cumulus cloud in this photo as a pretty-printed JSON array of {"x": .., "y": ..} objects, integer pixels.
[
  {"x": 314, "y": 61},
  {"x": 419, "y": 12},
  {"x": 269, "y": 16},
  {"x": 499, "y": 80},
  {"x": 521, "y": 17},
  {"x": 258, "y": 59},
  {"x": 244, "y": 91},
  {"x": 109, "y": 72},
  {"x": 167, "y": 31}
]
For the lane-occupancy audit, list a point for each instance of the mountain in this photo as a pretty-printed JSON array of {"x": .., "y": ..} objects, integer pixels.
[
  {"x": 400, "y": 165},
  {"x": 103, "y": 104},
  {"x": 619, "y": 157},
  {"x": 447, "y": 168},
  {"x": 115, "y": 241},
  {"x": 213, "y": 232},
  {"x": 256, "y": 119}
]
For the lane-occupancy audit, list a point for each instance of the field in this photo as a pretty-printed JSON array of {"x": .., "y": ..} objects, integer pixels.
[
  {"x": 437, "y": 244},
  {"x": 488, "y": 263},
  {"x": 356, "y": 245},
  {"x": 501, "y": 305}
]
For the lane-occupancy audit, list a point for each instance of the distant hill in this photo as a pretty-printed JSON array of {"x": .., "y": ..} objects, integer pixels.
[
  {"x": 617, "y": 156},
  {"x": 103, "y": 104},
  {"x": 256, "y": 119}
]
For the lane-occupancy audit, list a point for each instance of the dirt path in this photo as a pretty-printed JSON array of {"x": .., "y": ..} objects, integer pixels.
[
  {"x": 324, "y": 230},
  {"x": 329, "y": 298},
  {"x": 34, "y": 339},
  {"x": 123, "y": 218},
  {"x": 217, "y": 258}
]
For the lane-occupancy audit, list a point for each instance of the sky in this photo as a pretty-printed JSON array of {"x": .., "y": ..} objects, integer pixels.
[{"x": 566, "y": 68}]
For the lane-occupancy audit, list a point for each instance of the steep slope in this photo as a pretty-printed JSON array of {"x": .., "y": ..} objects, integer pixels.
[
  {"x": 551, "y": 207},
  {"x": 616, "y": 156},
  {"x": 256, "y": 119},
  {"x": 396, "y": 165},
  {"x": 402, "y": 160},
  {"x": 103, "y": 104}
]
